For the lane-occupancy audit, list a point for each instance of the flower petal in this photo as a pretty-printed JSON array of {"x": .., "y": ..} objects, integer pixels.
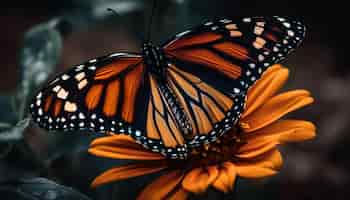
[
  {"x": 270, "y": 82},
  {"x": 199, "y": 179},
  {"x": 226, "y": 178},
  {"x": 180, "y": 194},
  {"x": 256, "y": 147},
  {"x": 163, "y": 186},
  {"x": 285, "y": 131},
  {"x": 267, "y": 165},
  {"x": 122, "y": 147},
  {"x": 275, "y": 108},
  {"x": 129, "y": 171}
]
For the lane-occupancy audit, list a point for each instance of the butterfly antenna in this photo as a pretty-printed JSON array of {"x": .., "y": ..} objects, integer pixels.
[
  {"x": 120, "y": 16},
  {"x": 151, "y": 20}
]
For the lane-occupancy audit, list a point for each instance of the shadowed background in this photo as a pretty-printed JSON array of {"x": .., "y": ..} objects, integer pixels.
[{"x": 317, "y": 169}]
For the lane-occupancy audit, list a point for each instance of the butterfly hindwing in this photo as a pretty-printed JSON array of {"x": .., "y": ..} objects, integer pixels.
[
  {"x": 161, "y": 126},
  {"x": 210, "y": 112}
]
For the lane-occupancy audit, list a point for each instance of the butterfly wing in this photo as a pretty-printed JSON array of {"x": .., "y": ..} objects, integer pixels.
[
  {"x": 227, "y": 57},
  {"x": 162, "y": 131},
  {"x": 238, "y": 50},
  {"x": 210, "y": 112},
  {"x": 99, "y": 95}
]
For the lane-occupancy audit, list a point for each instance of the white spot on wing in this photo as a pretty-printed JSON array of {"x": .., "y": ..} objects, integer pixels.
[
  {"x": 247, "y": 19},
  {"x": 80, "y": 76},
  {"x": 214, "y": 28},
  {"x": 182, "y": 33},
  {"x": 258, "y": 30},
  {"x": 92, "y": 67},
  {"x": 38, "y": 102},
  {"x": 281, "y": 19},
  {"x": 236, "y": 90},
  {"x": 286, "y": 24},
  {"x": 290, "y": 33},
  {"x": 92, "y": 61},
  {"x": 261, "y": 57},
  {"x": 81, "y": 116},
  {"x": 56, "y": 88},
  {"x": 79, "y": 67},
  {"x": 40, "y": 112},
  {"x": 54, "y": 81},
  {"x": 39, "y": 95},
  {"x": 116, "y": 54},
  {"x": 62, "y": 94},
  {"x": 82, "y": 84},
  {"x": 208, "y": 23},
  {"x": 262, "y": 24},
  {"x": 65, "y": 77},
  {"x": 70, "y": 107},
  {"x": 252, "y": 65}
]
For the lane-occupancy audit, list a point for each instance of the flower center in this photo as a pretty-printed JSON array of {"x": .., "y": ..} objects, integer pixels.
[{"x": 222, "y": 150}]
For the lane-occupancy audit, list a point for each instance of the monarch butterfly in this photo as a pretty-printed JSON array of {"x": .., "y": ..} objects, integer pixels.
[{"x": 171, "y": 98}]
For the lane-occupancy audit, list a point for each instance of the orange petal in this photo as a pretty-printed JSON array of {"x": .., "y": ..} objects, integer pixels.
[
  {"x": 285, "y": 131},
  {"x": 164, "y": 185},
  {"x": 180, "y": 194},
  {"x": 275, "y": 108},
  {"x": 267, "y": 165},
  {"x": 270, "y": 82},
  {"x": 226, "y": 177},
  {"x": 122, "y": 147},
  {"x": 128, "y": 171},
  {"x": 199, "y": 179},
  {"x": 256, "y": 147}
]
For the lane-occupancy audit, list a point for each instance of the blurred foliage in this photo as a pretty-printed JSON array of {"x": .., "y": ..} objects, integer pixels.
[
  {"x": 38, "y": 189},
  {"x": 39, "y": 56}
]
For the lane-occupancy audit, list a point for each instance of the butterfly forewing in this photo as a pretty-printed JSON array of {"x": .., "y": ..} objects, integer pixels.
[
  {"x": 235, "y": 49},
  {"x": 99, "y": 95}
]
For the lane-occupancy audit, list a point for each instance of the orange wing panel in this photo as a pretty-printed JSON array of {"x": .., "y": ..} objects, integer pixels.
[
  {"x": 132, "y": 83},
  {"x": 193, "y": 40},
  {"x": 115, "y": 68},
  {"x": 112, "y": 97},
  {"x": 93, "y": 96},
  {"x": 209, "y": 59}
]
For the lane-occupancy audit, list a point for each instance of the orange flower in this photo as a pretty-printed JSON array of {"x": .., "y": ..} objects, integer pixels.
[{"x": 249, "y": 150}]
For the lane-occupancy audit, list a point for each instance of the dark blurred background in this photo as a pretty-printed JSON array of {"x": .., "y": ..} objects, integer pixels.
[{"x": 318, "y": 169}]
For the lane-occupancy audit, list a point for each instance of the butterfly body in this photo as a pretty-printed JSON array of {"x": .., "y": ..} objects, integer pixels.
[
  {"x": 172, "y": 97},
  {"x": 154, "y": 59}
]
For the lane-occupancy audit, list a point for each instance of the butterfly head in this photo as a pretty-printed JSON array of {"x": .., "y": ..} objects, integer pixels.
[{"x": 154, "y": 58}]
